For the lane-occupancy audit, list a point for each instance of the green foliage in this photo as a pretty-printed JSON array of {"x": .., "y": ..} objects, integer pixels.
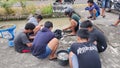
[
  {"x": 47, "y": 10},
  {"x": 30, "y": 9},
  {"x": 6, "y": 5},
  {"x": 22, "y": 2}
]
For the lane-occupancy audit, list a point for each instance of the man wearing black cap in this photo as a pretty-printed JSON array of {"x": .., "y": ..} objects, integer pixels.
[{"x": 74, "y": 20}]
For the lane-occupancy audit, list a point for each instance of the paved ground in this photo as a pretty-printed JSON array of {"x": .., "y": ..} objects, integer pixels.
[{"x": 110, "y": 58}]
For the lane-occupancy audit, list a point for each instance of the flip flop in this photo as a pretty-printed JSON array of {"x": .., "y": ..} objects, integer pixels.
[
  {"x": 67, "y": 31},
  {"x": 113, "y": 25},
  {"x": 103, "y": 16},
  {"x": 53, "y": 59}
]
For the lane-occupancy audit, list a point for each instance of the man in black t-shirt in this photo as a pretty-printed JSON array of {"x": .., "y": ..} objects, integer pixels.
[
  {"x": 84, "y": 54},
  {"x": 96, "y": 36}
]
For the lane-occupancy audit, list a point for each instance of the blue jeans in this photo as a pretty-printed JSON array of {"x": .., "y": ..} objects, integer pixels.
[
  {"x": 75, "y": 61},
  {"x": 44, "y": 55},
  {"x": 105, "y": 3}
]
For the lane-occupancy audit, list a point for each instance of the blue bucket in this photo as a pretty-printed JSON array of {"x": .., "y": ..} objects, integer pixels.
[
  {"x": 11, "y": 43},
  {"x": 8, "y": 33}
]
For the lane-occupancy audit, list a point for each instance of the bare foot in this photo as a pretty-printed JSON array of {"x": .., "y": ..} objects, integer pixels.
[
  {"x": 103, "y": 16},
  {"x": 52, "y": 57}
]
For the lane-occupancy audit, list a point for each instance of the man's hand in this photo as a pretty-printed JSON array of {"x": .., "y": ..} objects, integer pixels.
[
  {"x": 29, "y": 44},
  {"x": 31, "y": 37},
  {"x": 87, "y": 8}
]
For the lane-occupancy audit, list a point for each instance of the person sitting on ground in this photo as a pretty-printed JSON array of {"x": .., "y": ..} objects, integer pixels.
[
  {"x": 96, "y": 36},
  {"x": 93, "y": 9},
  {"x": 21, "y": 41},
  {"x": 74, "y": 19},
  {"x": 84, "y": 54},
  {"x": 117, "y": 22},
  {"x": 35, "y": 20},
  {"x": 45, "y": 44}
]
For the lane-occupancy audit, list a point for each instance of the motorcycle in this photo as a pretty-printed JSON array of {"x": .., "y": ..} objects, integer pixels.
[{"x": 114, "y": 5}]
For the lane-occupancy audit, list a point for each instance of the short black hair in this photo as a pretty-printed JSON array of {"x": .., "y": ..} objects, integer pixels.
[
  {"x": 86, "y": 24},
  {"x": 30, "y": 26},
  {"x": 83, "y": 33},
  {"x": 39, "y": 17},
  {"x": 48, "y": 24},
  {"x": 90, "y": 1}
]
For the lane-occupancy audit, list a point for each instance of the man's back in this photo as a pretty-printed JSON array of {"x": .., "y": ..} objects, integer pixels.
[
  {"x": 75, "y": 17},
  {"x": 20, "y": 41},
  {"x": 87, "y": 55},
  {"x": 96, "y": 7},
  {"x": 33, "y": 20},
  {"x": 41, "y": 40}
]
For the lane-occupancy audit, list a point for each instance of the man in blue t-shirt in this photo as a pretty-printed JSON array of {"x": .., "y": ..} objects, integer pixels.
[
  {"x": 93, "y": 9},
  {"x": 96, "y": 36},
  {"x": 84, "y": 54},
  {"x": 45, "y": 43}
]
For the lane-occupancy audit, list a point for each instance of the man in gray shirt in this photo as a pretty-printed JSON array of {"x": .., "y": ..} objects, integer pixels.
[{"x": 22, "y": 43}]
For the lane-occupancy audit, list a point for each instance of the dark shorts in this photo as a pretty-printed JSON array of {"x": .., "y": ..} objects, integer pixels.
[
  {"x": 77, "y": 27},
  {"x": 46, "y": 54}
]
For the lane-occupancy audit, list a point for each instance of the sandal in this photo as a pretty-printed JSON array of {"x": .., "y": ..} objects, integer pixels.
[
  {"x": 103, "y": 16},
  {"x": 89, "y": 17},
  {"x": 93, "y": 18},
  {"x": 113, "y": 25},
  {"x": 53, "y": 59}
]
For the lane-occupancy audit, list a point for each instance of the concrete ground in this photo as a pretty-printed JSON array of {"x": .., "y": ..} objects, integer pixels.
[{"x": 110, "y": 58}]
